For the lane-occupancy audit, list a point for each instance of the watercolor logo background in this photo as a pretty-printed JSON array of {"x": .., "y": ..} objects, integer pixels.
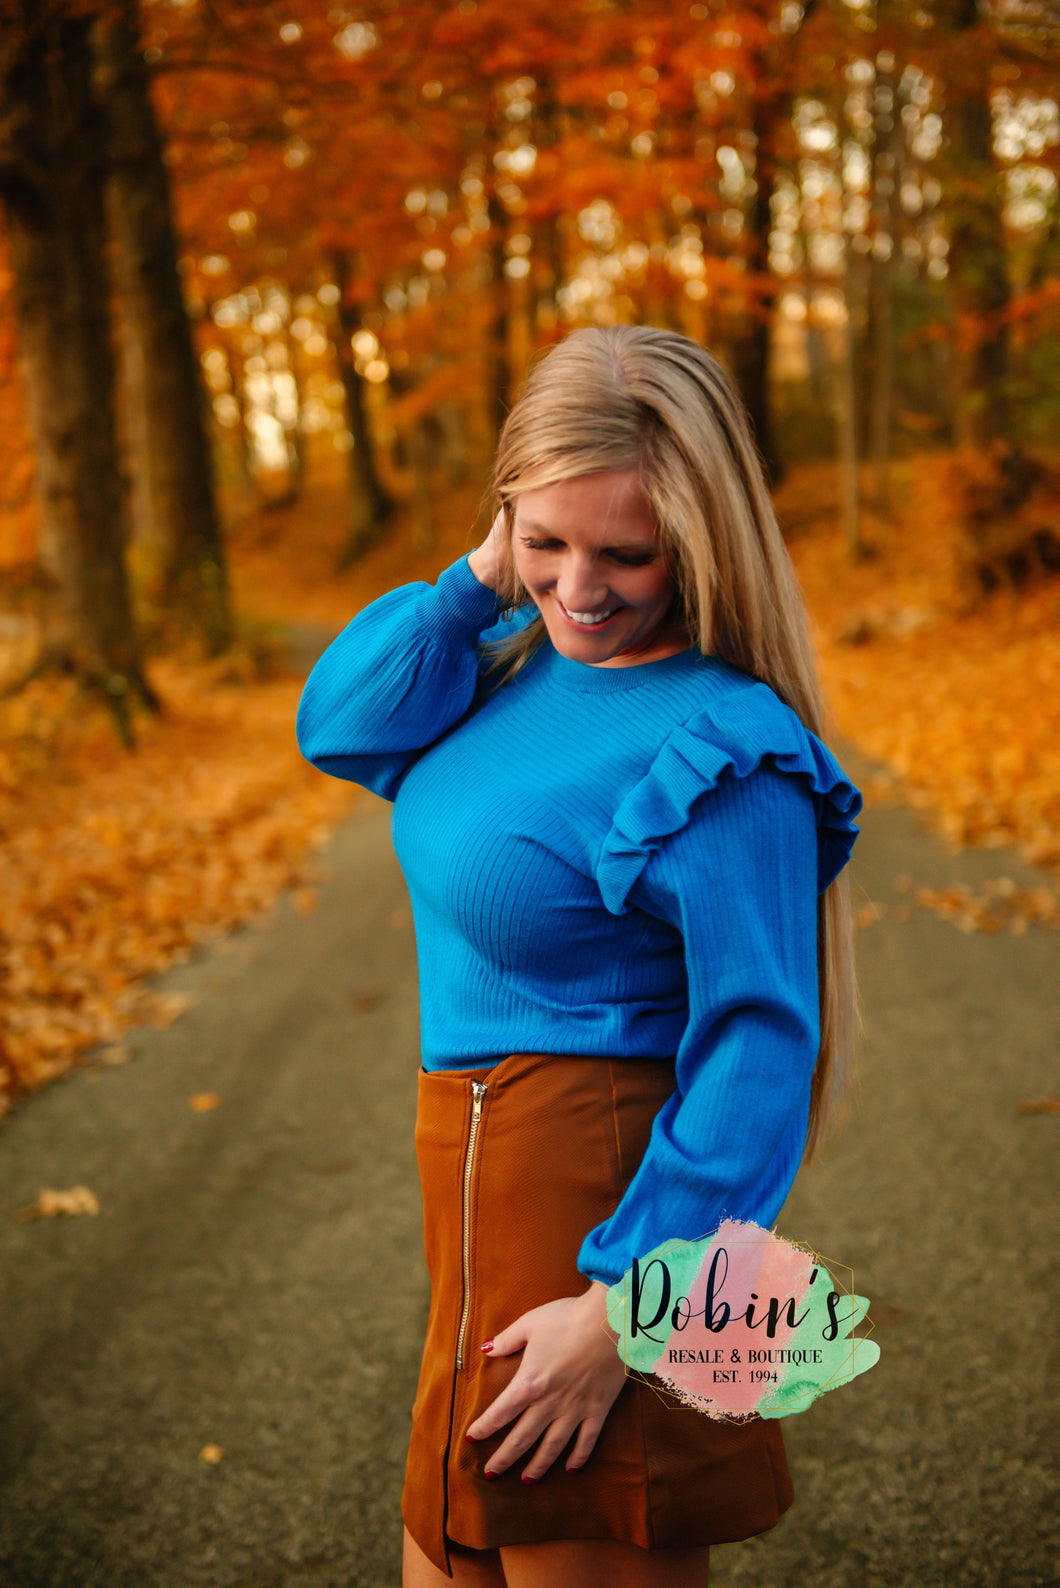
[{"x": 740, "y": 1322}]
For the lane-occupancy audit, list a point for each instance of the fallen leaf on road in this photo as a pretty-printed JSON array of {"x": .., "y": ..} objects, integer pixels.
[
  {"x": 163, "y": 1008},
  {"x": 116, "y": 1054},
  {"x": 211, "y": 1453},
  {"x": 1000, "y": 903},
  {"x": 1039, "y": 1105},
  {"x": 51, "y": 1204},
  {"x": 202, "y": 1102},
  {"x": 365, "y": 1002}
]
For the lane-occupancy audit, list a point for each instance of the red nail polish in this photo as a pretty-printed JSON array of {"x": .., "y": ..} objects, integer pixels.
[
  {"x": 489, "y": 1474},
  {"x": 528, "y": 1479},
  {"x": 473, "y": 1438},
  {"x": 574, "y": 1469},
  {"x": 486, "y": 1346}
]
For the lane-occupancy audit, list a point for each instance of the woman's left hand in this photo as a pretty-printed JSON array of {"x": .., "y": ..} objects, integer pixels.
[{"x": 568, "y": 1379}]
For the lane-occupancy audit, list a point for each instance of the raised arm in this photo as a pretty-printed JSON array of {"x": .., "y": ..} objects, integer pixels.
[{"x": 397, "y": 677}]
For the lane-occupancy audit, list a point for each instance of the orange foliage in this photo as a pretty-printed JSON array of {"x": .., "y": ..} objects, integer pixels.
[
  {"x": 114, "y": 866},
  {"x": 963, "y": 707}
]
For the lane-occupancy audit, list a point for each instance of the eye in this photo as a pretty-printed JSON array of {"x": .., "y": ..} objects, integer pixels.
[
  {"x": 633, "y": 559},
  {"x": 538, "y": 545}
]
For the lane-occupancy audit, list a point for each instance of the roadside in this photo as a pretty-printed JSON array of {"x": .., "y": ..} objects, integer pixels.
[{"x": 206, "y": 1383}]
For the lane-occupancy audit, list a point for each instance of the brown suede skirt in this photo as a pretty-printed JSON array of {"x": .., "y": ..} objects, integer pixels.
[{"x": 518, "y": 1162}]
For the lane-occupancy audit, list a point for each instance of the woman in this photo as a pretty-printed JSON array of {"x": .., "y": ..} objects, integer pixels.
[{"x": 621, "y": 838}]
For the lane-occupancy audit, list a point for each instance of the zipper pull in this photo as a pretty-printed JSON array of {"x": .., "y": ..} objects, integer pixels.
[{"x": 478, "y": 1092}]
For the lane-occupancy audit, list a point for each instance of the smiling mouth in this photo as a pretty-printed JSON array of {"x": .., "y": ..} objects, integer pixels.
[{"x": 587, "y": 620}]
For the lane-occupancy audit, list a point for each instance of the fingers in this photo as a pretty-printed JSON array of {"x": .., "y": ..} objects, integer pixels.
[
  {"x": 536, "y": 1416},
  {"x": 565, "y": 1384},
  {"x": 551, "y": 1440},
  {"x": 487, "y": 562},
  {"x": 498, "y": 1415},
  {"x": 585, "y": 1444},
  {"x": 521, "y": 1394},
  {"x": 523, "y": 1390},
  {"x": 552, "y": 1445},
  {"x": 505, "y": 1341}
]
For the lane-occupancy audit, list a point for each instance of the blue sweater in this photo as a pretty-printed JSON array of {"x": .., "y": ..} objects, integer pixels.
[{"x": 603, "y": 860}]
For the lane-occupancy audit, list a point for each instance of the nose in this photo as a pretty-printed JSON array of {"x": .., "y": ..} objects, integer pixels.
[{"x": 581, "y": 585}]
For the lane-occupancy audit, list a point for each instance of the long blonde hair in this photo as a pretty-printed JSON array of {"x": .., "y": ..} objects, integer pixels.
[{"x": 635, "y": 396}]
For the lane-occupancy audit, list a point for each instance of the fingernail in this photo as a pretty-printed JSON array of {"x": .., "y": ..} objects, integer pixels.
[
  {"x": 473, "y": 1438},
  {"x": 486, "y": 1346},
  {"x": 528, "y": 1479},
  {"x": 574, "y": 1469},
  {"x": 489, "y": 1474}
]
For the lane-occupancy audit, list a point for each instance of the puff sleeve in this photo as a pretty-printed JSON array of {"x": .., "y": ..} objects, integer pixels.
[
  {"x": 743, "y": 819},
  {"x": 401, "y": 674}
]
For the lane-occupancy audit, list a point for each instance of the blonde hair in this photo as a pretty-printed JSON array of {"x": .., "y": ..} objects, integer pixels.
[{"x": 636, "y": 396}]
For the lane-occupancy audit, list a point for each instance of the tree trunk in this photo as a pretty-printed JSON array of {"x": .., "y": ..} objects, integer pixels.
[
  {"x": 499, "y": 382},
  {"x": 847, "y": 440},
  {"x": 548, "y": 271},
  {"x": 373, "y": 507},
  {"x": 170, "y": 454},
  {"x": 52, "y": 181},
  {"x": 751, "y": 355},
  {"x": 846, "y": 385},
  {"x": 978, "y": 267},
  {"x": 886, "y": 153},
  {"x": 752, "y": 352}
]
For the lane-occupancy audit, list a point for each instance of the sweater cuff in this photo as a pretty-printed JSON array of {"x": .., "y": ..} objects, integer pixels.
[
  {"x": 591, "y": 1263},
  {"x": 465, "y": 607}
]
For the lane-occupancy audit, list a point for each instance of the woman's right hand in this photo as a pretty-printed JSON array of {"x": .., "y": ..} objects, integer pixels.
[
  {"x": 568, "y": 1379},
  {"x": 489, "y": 561}
]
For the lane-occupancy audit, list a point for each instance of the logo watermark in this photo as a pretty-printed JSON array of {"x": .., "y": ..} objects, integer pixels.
[{"x": 740, "y": 1323}]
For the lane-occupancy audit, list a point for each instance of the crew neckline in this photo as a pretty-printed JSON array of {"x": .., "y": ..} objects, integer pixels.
[{"x": 590, "y": 679}]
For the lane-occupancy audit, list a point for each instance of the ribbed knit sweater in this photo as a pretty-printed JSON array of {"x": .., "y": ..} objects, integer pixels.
[{"x": 617, "y": 861}]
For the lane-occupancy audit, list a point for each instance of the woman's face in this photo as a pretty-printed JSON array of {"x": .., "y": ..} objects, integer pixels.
[{"x": 588, "y": 552}]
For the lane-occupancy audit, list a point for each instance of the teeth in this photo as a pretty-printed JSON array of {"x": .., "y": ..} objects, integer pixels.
[{"x": 590, "y": 619}]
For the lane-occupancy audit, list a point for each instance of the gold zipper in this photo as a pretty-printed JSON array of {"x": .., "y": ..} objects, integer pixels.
[{"x": 478, "y": 1092}]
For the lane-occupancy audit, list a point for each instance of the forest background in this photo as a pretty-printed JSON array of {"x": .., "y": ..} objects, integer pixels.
[{"x": 269, "y": 275}]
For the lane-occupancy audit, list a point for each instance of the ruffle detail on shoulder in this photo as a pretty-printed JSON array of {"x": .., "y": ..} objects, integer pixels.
[{"x": 730, "y": 738}]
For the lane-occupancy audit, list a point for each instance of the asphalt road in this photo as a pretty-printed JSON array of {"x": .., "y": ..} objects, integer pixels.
[{"x": 253, "y": 1281}]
